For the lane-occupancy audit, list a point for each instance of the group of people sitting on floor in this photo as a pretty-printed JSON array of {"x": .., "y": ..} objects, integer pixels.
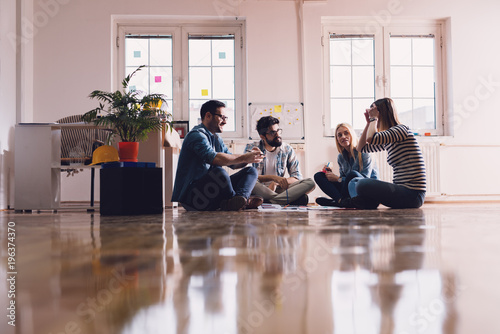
[{"x": 202, "y": 184}]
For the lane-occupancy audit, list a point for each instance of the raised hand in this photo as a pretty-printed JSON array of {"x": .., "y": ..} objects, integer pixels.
[{"x": 367, "y": 115}]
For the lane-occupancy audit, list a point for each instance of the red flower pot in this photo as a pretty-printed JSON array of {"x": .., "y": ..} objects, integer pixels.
[{"x": 128, "y": 151}]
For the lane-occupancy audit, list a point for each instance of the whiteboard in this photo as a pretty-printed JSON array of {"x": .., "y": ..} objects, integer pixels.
[{"x": 290, "y": 115}]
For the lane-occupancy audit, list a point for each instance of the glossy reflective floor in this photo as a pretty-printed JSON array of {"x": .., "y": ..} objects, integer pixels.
[{"x": 431, "y": 270}]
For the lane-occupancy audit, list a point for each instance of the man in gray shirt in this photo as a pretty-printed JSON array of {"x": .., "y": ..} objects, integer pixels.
[{"x": 279, "y": 157}]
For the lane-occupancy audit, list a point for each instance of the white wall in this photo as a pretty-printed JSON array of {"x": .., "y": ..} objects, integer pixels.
[
  {"x": 72, "y": 56},
  {"x": 7, "y": 98}
]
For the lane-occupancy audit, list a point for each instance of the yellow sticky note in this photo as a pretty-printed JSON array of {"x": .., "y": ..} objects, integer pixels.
[
  {"x": 204, "y": 92},
  {"x": 277, "y": 108}
]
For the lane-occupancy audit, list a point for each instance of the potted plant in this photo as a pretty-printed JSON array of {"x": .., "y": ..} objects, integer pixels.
[{"x": 130, "y": 114}]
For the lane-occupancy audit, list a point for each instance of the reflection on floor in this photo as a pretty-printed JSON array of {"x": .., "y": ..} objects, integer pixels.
[{"x": 431, "y": 270}]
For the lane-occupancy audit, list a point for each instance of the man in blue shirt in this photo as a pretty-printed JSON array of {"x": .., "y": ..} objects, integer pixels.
[{"x": 201, "y": 184}]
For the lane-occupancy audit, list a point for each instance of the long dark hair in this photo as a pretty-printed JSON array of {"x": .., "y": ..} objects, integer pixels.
[{"x": 388, "y": 116}]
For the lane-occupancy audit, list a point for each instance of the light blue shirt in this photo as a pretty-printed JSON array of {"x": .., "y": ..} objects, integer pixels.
[{"x": 346, "y": 165}]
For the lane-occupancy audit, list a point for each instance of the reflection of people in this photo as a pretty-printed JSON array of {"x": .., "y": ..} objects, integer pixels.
[
  {"x": 280, "y": 157},
  {"x": 383, "y": 131},
  {"x": 351, "y": 164},
  {"x": 391, "y": 254},
  {"x": 201, "y": 183}
]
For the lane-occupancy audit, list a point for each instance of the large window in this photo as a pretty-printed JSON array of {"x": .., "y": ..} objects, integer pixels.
[
  {"x": 190, "y": 64},
  {"x": 413, "y": 79},
  {"x": 403, "y": 62},
  {"x": 352, "y": 77},
  {"x": 211, "y": 74},
  {"x": 156, "y": 53}
]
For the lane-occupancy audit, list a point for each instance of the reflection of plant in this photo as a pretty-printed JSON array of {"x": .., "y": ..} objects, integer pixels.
[{"x": 130, "y": 116}]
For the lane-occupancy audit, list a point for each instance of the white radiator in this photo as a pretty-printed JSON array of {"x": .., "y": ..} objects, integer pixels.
[{"x": 430, "y": 151}]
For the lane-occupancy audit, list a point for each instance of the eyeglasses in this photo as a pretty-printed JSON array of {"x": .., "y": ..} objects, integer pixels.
[
  {"x": 224, "y": 118},
  {"x": 274, "y": 133}
]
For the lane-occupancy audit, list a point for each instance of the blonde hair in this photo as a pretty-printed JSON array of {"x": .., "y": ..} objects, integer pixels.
[
  {"x": 388, "y": 117},
  {"x": 354, "y": 138}
]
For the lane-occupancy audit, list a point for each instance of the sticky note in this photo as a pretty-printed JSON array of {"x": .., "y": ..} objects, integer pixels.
[
  {"x": 132, "y": 88},
  {"x": 158, "y": 78},
  {"x": 277, "y": 108},
  {"x": 204, "y": 92},
  {"x": 222, "y": 55},
  {"x": 137, "y": 54}
]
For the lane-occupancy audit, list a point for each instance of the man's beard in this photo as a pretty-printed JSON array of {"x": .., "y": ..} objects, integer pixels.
[{"x": 276, "y": 142}]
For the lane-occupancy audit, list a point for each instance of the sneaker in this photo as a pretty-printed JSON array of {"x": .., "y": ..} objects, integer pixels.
[
  {"x": 253, "y": 202},
  {"x": 363, "y": 203},
  {"x": 302, "y": 200},
  {"x": 323, "y": 201},
  {"x": 233, "y": 204}
]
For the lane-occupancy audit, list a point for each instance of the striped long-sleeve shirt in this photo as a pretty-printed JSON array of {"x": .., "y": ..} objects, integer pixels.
[{"x": 403, "y": 155}]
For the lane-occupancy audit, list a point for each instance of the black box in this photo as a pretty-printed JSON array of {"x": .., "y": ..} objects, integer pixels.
[{"x": 131, "y": 191}]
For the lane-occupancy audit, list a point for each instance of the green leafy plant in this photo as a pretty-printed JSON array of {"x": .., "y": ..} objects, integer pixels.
[{"x": 129, "y": 114}]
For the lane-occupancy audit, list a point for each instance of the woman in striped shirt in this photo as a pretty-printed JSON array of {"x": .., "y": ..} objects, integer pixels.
[{"x": 383, "y": 131}]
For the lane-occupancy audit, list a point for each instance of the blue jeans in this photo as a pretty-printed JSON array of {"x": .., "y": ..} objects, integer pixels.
[
  {"x": 215, "y": 186},
  {"x": 335, "y": 190},
  {"x": 389, "y": 194}
]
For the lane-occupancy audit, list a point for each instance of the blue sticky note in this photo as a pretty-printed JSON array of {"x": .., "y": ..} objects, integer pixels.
[
  {"x": 222, "y": 55},
  {"x": 137, "y": 54}
]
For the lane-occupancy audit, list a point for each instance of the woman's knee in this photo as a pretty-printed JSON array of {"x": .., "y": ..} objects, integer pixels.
[
  {"x": 319, "y": 176},
  {"x": 363, "y": 186}
]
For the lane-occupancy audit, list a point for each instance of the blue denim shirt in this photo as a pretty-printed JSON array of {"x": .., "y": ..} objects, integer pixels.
[
  {"x": 198, "y": 151},
  {"x": 347, "y": 164},
  {"x": 285, "y": 158}
]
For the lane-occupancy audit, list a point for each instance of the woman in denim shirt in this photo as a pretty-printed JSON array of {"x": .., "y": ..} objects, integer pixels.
[{"x": 351, "y": 164}]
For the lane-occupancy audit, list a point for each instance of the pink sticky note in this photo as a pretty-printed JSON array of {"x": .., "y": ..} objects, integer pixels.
[{"x": 158, "y": 78}]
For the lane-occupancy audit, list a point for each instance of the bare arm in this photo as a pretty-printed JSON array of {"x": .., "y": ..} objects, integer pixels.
[
  {"x": 369, "y": 130},
  {"x": 224, "y": 159}
]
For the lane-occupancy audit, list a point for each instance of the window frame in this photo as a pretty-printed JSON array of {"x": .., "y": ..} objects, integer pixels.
[
  {"x": 381, "y": 35},
  {"x": 180, "y": 30}
]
